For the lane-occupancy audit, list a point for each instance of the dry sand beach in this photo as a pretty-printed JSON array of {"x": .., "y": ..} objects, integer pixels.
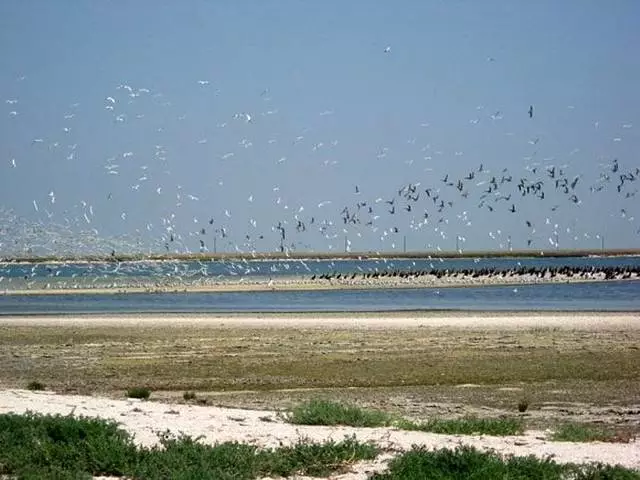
[
  {"x": 579, "y": 367},
  {"x": 574, "y": 321}
]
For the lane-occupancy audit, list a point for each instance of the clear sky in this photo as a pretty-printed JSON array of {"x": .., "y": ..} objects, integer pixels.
[{"x": 152, "y": 118}]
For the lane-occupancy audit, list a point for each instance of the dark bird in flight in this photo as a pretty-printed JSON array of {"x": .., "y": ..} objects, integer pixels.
[{"x": 530, "y": 111}]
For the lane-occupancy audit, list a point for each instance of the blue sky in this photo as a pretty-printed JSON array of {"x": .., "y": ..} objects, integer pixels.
[{"x": 163, "y": 90}]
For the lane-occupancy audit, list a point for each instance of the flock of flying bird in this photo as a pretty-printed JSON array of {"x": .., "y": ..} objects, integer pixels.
[{"x": 445, "y": 204}]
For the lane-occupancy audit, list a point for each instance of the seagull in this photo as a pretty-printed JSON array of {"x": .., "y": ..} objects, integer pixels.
[
  {"x": 203, "y": 82},
  {"x": 387, "y": 49}
]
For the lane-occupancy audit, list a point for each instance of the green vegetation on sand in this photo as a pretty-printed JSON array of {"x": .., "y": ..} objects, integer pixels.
[
  {"x": 326, "y": 412},
  {"x": 468, "y": 463},
  {"x": 576, "y": 432},
  {"x": 57, "y": 447}
]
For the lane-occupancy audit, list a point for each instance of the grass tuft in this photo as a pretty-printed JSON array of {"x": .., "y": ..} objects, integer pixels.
[
  {"x": 576, "y": 432},
  {"x": 467, "y": 426},
  {"x": 326, "y": 412},
  {"x": 35, "y": 386},
  {"x": 142, "y": 393},
  {"x": 42, "y": 446},
  {"x": 187, "y": 396},
  {"x": 466, "y": 462}
]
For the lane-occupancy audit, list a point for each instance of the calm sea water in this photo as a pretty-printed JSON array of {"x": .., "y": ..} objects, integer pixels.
[{"x": 603, "y": 296}]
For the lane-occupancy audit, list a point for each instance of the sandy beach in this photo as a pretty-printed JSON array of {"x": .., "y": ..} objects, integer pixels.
[{"x": 588, "y": 321}]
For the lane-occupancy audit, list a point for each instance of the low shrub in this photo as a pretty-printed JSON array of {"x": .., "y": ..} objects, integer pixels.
[{"x": 142, "y": 393}]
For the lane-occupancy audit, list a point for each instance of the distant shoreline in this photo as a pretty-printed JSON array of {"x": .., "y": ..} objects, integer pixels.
[
  {"x": 311, "y": 256},
  {"x": 454, "y": 280}
]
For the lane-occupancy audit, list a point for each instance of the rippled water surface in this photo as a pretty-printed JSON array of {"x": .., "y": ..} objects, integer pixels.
[{"x": 605, "y": 296}]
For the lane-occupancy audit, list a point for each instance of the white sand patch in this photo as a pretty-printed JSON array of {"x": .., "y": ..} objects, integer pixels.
[
  {"x": 587, "y": 321},
  {"x": 265, "y": 429}
]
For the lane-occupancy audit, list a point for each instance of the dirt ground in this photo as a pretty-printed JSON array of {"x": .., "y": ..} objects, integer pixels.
[{"x": 569, "y": 367}]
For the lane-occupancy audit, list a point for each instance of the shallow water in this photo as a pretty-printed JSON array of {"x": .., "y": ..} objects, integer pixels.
[{"x": 601, "y": 296}]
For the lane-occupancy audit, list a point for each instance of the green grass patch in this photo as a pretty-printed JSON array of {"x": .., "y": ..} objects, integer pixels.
[
  {"x": 469, "y": 463},
  {"x": 467, "y": 426},
  {"x": 36, "y": 446},
  {"x": 576, "y": 432},
  {"x": 326, "y": 412},
  {"x": 48, "y": 447}
]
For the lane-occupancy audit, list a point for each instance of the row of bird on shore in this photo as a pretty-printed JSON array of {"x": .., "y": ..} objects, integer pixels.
[{"x": 583, "y": 272}]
